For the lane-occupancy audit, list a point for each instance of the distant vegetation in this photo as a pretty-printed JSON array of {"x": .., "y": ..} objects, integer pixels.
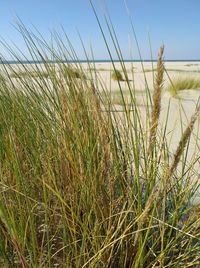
[
  {"x": 117, "y": 75},
  {"x": 30, "y": 74},
  {"x": 192, "y": 64},
  {"x": 72, "y": 72},
  {"x": 179, "y": 84},
  {"x": 173, "y": 70}
]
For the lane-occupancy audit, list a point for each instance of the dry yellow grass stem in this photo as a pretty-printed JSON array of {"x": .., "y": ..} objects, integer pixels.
[
  {"x": 182, "y": 143},
  {"x": 156, "y": 100},
  {"x": 157, "y": 194}
]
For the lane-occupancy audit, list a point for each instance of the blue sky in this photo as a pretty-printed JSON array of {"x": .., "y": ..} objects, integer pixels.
[{"x": 176, "y": 23}]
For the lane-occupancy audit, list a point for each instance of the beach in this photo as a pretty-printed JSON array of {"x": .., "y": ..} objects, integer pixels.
[
  {"x": 99, "y": 134},
  {"x": 76, "y": 146}
]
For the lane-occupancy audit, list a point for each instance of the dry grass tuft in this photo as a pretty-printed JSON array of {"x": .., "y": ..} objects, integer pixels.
[
  {"x": 179, "y": 84},
  {"x": 117, "y": 75}
]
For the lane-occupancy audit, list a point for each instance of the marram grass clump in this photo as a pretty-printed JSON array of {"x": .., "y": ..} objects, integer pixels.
[
  {"x": 74, "y": 73},
  {"x": 117, "y": 75},
  {"x": 178, "y": 84},
  {"x": 85, "y": 186}
]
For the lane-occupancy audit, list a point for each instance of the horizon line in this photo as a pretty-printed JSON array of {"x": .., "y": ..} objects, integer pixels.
[{"x": 93, "y": 60}]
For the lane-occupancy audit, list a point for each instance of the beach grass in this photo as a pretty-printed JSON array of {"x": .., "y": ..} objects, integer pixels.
[
  {"x": 192, "y": 64},
  {"x": 179, "y": 84},
  {"x": 25, "y": 74},
  {"x": 83, "y": 185},
  {"x": 117, "y": 75},
  {"x": 74, "y": 73},
  {"x": 172, "y": 70},
  {"x": 116, "y": 98}
]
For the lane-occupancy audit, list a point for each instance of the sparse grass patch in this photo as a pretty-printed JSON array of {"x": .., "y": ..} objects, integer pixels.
[
  {"x": 149, "y": 70},
  {"x": 30, "y": 74},
  {"x": 117, "y": 75},
  {"x": 172, "y": 70},
  {"x": 73, "y": 73},
  {"x": 116, "y": 97},
  {"x": 192, "y": 64},
  {"x": 179, "y": 84},
  {"x": 103, "y": 69}
]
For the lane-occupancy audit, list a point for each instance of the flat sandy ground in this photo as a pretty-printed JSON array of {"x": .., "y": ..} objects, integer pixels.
[{"x": 181, "y": 107}]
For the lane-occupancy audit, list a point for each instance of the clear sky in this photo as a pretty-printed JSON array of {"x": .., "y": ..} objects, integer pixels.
[{"x": 176, "y": 23}]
